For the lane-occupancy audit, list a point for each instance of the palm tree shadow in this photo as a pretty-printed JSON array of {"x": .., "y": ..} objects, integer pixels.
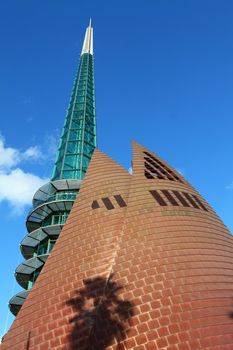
[{"x": 101, "y": 318}]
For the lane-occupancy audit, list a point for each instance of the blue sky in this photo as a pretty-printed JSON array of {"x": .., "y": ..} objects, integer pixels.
[{"x": 164, "y": 76}]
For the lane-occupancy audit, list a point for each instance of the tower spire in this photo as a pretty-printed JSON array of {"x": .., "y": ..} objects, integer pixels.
[
  {"x": 53, "y": 201},
  {"x": 88, "y": 40},
  {"x": 78, "y": 138}
]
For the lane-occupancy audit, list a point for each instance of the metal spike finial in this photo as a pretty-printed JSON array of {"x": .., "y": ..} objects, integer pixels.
[{"x": 88, "y": 40}]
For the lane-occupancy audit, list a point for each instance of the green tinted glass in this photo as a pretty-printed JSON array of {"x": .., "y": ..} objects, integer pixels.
[{"x": 78, "y": 138}]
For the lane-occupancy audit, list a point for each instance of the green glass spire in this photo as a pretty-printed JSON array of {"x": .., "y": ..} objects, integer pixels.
[
  {"x": 53, "y": 201},
  {"x": 78, "y": 138}
]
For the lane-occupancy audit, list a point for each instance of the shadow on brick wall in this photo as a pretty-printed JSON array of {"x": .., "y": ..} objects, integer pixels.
[
  {"x": 28, "y": 341},
  {"x": 101, "y": 318}
]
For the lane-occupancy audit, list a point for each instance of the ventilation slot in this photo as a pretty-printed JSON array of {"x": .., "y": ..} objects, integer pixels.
[
  {"x": 148, "y": 175},
  {"x": 158, "y": 198},
  {"x": 152, "y": 166},
  {"x": 181, "y": 198},
  {"x": 95, "y": 205},
  {"x": 170, "y": 198},
  {"x": 156, "y": 169},
  {"x": 120, "y": 201},
  {"x": 188, "y": 201},
  {"x": 199, "y": 202},
  {"x": 108, "y": 204},
  {"x": 153, "y": 171},
  {"x": 191, "y": 200}
]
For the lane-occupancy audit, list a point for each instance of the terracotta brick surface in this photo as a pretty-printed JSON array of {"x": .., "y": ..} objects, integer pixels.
[{"x": 141, "y": 276}]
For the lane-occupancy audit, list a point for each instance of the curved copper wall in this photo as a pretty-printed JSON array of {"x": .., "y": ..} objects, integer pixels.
[{"x": 142, "y": 263}]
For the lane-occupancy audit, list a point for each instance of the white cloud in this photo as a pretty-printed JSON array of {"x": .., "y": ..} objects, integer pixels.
[
  {"x": 10, "y": 157},
  {"x": 32, "y": 153},
  {"x": 17, "y": 187}
]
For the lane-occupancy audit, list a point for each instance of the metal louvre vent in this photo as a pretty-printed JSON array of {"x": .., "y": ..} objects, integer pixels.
[
  {"x": 155, "y": 169},
  {"x": 109, "y": 202},
  {"x": 175, "y": 198}
]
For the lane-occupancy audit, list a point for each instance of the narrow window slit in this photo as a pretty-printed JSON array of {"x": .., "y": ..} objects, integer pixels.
[
  {"x": 158, "y": 198},
  {"x": 199, "y": 202},
  {"x": 159, "y": 168},
  {"x": 120, "y": 201},
  {"x": 191, "y": 201},
  {"x": 170, "y": 197},
  {"x": 148, "y": 175},
  {"x": 181, "y": 198},
  {"x": 108, "y": 204},
  {"x": 95, "y": 205}
]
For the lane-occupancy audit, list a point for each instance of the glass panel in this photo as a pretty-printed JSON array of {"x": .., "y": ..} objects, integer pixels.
[
  {"x": 77, "y": 123},
  {"x": 77, "y": 115},
  {"x": 82, "y": 101},
  {"x": 75, "y": 135},
  {"x": 72, "y": 162},
  {"x": 88, "y": 150},
  {"x": 89, "y": 128},
  {"x": 74, "y": 147},
  {"x": 56, "y": 219},
  {"x": 69, "y": 174},
  {"x": 89, "y": 109},
  {"x": 86, "y": 162},
  {"x": 42, "y": 248},
  {"x": 79, "y": 107},
  {"x": 88, "y": 137},
  {"x": 33, "y": 278},
  {"x": 51, "y": 245}
]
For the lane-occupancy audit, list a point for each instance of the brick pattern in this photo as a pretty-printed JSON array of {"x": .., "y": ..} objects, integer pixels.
[
  {"x": 85, "y": 249},
  {"x": 177, "y": 263},
  {"x": 144, "y": 276}
]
